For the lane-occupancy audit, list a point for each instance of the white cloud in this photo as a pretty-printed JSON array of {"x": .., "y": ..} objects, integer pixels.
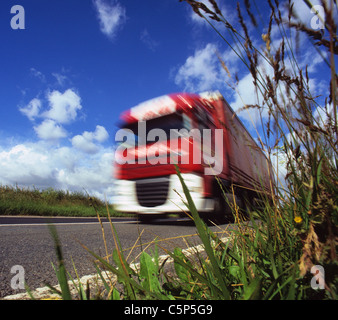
[
  {"x": 63, "y": 106},
  {"x": 200, "y": 71},
  {"x": 38, "y": 74},
  {"x": 111, "y": 16},
  {"x": 63, "y": 109},
  {"x": 49, "y": 163},
  {"x": 32, "y": 109},
  {"x": 25, "y": 165},
  {"x": 85, "y": 142},
  {"x": 95, "y": 175},
  {"x": 246, "y": 95},
  {"x": 45, "y": 166},
  {"x": 203, "y": 70},
  {"x": 100, "y": 134},
  {"x": 50, "y": 130},
  {"x": 81, "y": 143},
  {"x": 148, "y": 40},
  {"x": 60, "y": 78}
]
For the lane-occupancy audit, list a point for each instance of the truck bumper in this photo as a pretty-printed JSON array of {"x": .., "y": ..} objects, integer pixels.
[{"x": 140, "y": 196}]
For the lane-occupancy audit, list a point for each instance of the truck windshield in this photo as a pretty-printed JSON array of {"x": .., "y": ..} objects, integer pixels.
[{"x": 166, "y": 123}]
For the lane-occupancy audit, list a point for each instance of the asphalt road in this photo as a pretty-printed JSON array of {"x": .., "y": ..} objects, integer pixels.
[{"x": 27, "y": 242}]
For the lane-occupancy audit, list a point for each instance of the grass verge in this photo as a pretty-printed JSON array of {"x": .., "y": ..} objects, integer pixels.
[{"x": 49, "y": 202}]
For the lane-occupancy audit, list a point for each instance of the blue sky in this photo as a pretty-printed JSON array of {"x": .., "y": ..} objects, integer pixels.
[{"x": 78, "y": 64}]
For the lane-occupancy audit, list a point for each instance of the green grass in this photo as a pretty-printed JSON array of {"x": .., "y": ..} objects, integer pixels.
[{"x": 49, "y": 202}]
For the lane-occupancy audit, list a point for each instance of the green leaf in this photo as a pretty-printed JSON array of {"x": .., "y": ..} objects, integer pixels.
[
  {"x": 252, "y": 291},
  {"x": 116, "y": 295},
  {"x": 234, "y": 271},
  {"x": 181, "y": 271},
  {"x": 149, "y": 273}
]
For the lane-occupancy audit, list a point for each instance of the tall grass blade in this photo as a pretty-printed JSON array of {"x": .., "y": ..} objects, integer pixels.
[
  {"x": 205, "y": 237},
  {"x": 61, "y": 270}
]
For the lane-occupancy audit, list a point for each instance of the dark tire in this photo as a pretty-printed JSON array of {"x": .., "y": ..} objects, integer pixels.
[
  {"x": 222, "y": 213},
  {"x": 145, "y": 218}
]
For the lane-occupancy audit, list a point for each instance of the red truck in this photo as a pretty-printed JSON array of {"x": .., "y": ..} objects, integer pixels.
[{"x": 202, "y": 135}]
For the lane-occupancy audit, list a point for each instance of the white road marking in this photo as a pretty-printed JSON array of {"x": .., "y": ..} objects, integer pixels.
[
  {"x": 57, "y": 223},
  {"x": 70, "y": 223}
]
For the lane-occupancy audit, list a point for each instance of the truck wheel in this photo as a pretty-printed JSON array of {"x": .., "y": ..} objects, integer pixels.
[
  {"x": 145, "y": 218},
  {"x": 221, "y": 212}
]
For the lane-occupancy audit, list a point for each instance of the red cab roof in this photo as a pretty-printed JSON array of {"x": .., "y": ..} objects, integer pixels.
[{"x": 160, "y": 106}]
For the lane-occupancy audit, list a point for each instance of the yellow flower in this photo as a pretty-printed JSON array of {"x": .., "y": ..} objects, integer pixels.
[{"x": 298, "y": 219}]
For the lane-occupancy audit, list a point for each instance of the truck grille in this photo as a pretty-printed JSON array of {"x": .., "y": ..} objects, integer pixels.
[{"x": 152, "y": 192}]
